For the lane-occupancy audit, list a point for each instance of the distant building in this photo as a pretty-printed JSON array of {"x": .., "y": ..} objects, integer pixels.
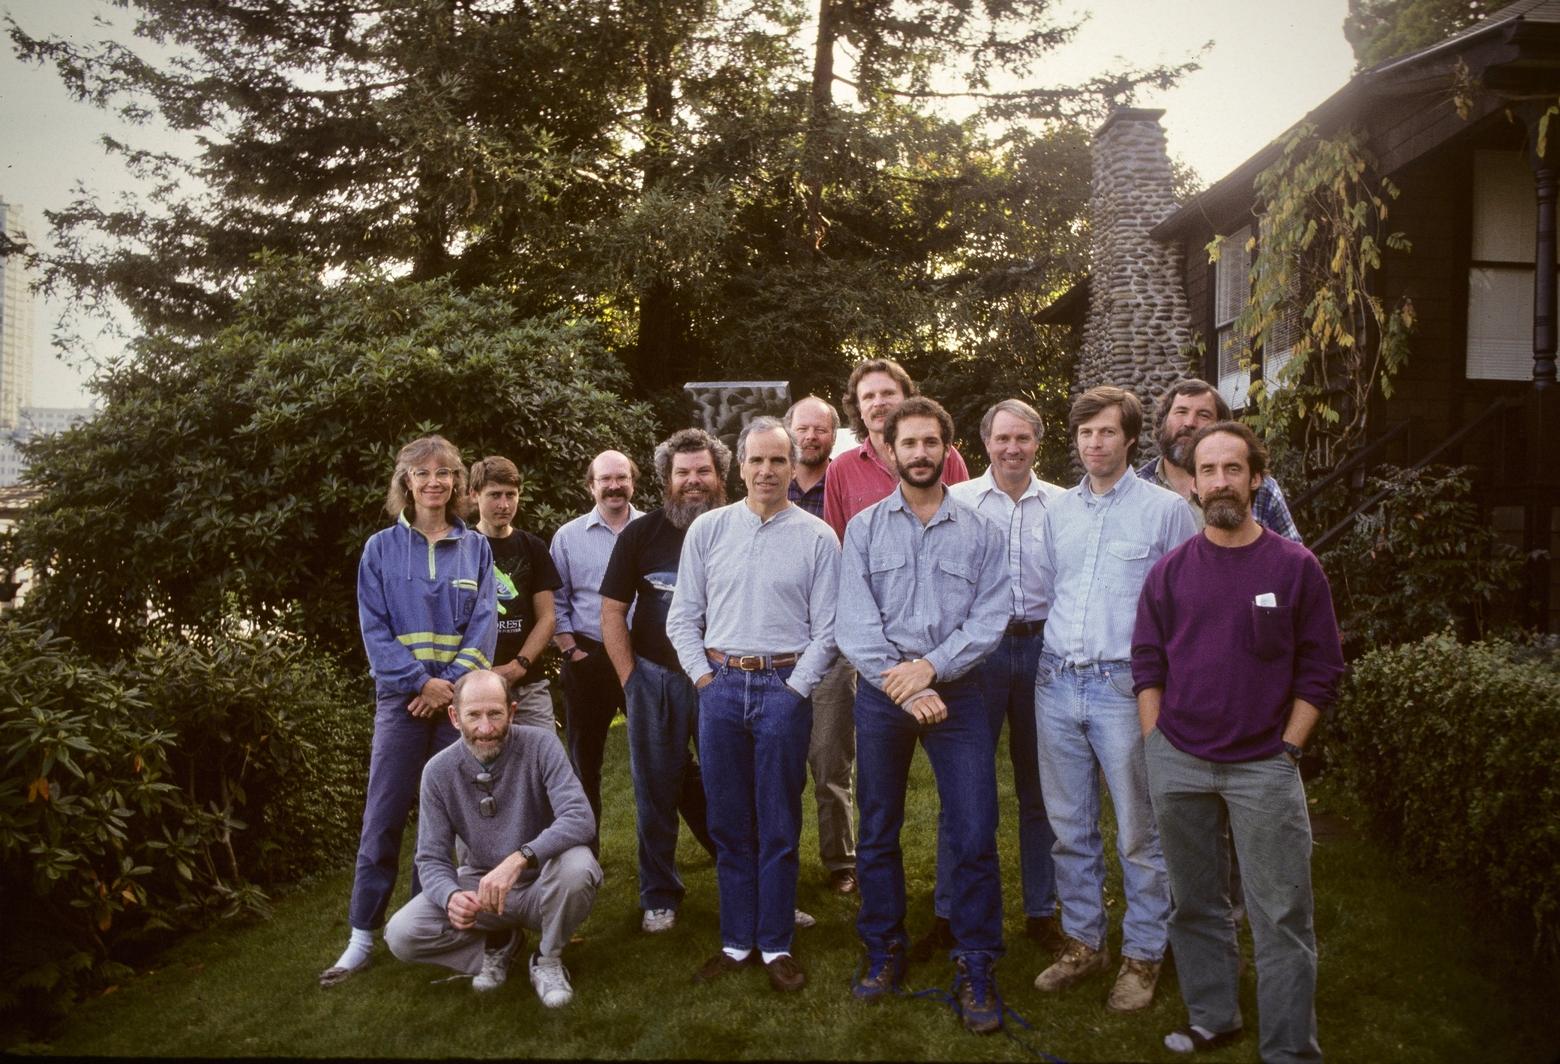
[
  {"x": 35, "y": 421},
  {"x": 16, "y": 324}
]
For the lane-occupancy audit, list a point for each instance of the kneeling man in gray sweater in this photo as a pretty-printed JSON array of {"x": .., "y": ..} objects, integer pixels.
[{"x": 507, "y": 795}]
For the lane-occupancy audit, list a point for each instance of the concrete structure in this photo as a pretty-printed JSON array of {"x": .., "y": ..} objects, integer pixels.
[
  {"x": 32, "y": 422},
  {"x": 16, "y": 324}
]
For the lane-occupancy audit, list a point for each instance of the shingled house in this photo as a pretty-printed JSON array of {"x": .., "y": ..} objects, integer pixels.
[{"x": 1477, "y": 201}]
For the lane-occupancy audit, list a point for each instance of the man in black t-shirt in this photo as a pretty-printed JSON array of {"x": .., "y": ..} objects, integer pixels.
[
  {"x": 526, "y": 579},
  {"x": 663, "y": 706}
]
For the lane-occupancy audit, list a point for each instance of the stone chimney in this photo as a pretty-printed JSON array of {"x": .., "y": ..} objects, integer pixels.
[{"x": 1137, "y": 323}]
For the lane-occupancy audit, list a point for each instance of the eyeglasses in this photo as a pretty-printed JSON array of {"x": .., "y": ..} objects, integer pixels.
[
  {"x": 488, "y": 806},
  {"x": 441, "y": 474}
]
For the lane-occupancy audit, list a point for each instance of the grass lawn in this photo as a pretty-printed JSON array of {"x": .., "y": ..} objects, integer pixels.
[{"x": 1406, "y": 974}]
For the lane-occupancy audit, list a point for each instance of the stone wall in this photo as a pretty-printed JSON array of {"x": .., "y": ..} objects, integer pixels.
[{"x": 1138, "y": 324}]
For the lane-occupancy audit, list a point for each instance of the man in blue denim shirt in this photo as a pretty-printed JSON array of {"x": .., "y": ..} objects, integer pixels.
[
  {"x": 752, "y": 621},
  {"x": 1101, "y": 538},
  {"x": 923, "y": 598}
]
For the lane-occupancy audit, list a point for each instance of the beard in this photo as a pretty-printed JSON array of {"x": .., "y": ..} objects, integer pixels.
[
  {"x": 910, "y": 474},
  {"x": 681, "y": 511},
  {"x": 814, "y": 459},
  {"x": 1225, "y": 510},
  {"x": 1177, "y": 449}
]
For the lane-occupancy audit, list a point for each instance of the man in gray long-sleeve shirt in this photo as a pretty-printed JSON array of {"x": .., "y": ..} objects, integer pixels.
[
  {"x": 752, "y": 621},
  {"x": 923, "y": 597},
  {"x": 508, "y": 794}
]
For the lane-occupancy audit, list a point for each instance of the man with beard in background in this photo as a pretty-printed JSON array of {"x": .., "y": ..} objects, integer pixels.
[
  {"x": 663, "y": 707},
  {"x": 1235, "y": 655},
  {"x": 1191, "y": 405}
]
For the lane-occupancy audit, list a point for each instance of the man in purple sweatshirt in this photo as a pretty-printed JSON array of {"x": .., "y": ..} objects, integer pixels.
[{"x": 1234, "y": 657}]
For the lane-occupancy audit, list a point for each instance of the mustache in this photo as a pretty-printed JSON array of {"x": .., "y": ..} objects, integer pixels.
[{"x": 615, "y": 493}]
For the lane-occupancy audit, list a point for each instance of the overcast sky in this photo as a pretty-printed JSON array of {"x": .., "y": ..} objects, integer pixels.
[{"x": 1271, "y": 62}]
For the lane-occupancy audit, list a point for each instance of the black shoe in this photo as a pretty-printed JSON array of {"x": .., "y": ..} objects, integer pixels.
[
  {"x": 938, "y": 940},
  {"x": 1046, "y": 931},
  {"x": 843, "y": 881}
]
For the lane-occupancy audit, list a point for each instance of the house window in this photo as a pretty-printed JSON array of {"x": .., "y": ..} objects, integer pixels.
[
  {"x": 1500, "y": 273},
  {"x": 1231, "y": 290},
  {"x": 1283, "y": 336}
]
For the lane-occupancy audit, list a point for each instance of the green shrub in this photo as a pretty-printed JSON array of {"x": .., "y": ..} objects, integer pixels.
[
  {"x": 1452, "y": 750},
  {"x": 161, "y": 792},
  {"x": 1424, "y": 559}
]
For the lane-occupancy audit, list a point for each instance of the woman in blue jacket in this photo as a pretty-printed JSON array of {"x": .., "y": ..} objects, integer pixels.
[{"x": 428, "y": 610}]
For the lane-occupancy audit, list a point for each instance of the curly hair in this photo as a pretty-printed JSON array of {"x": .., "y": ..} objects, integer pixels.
[{"x": 875, "y": 365}]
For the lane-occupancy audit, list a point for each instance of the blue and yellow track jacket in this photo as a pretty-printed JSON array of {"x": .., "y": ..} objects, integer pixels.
[{"x": 426, "y": 609}]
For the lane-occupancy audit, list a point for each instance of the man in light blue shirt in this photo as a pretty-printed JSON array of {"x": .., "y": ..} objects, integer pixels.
[
  {"x": 923, "y": 598},
  {"x": 580, "y": 549},
  {"x": 752, "y": 621},
  {"x": 1101, "y": 538},
  {"x": 1015, "y": 499}
]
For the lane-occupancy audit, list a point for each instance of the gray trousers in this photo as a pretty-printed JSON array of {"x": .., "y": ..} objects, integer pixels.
[
  {"x": 831, "y": 755},
  {"x": 535, "y": 705},
  {"x": 554, "y": 903},
  {"x": 1263, "y": 804}
]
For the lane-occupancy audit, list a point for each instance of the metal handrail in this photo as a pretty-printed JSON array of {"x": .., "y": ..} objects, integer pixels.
[
  {"x": 1349, "y": 465},
  {"x": 1497, "y": 407}
]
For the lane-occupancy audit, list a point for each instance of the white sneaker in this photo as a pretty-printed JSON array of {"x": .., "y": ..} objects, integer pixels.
[
  {"x": 658, "y": 920},
  {"x": 495, "y": 966},
  {"x": 551, "y": 980},
  {"x": 805, "y": 919}
]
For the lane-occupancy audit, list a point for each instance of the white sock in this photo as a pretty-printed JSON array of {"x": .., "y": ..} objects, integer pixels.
[
  {"x": 1177, "y": 1042},
  {"x": 770, "y": 958},
  {"x": 736, "y": 954},
  {"x": 359, "y": 948}
]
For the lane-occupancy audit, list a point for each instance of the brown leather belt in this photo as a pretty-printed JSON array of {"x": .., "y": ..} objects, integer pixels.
[{"x": 753, "y": 662}]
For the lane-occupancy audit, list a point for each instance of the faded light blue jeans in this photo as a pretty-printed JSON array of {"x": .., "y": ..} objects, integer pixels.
[
  {"x": 1263, "y": 803},
  {"x": 1088, "y": 727}
]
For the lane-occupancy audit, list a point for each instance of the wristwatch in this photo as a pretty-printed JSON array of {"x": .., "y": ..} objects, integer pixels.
[
  {"x": 1294, "y": 752},
  {"x": 529, "y": 855},
  {"x": 523, "y": 661}
]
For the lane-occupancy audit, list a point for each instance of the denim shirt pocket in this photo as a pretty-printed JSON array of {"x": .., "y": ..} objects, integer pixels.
[
  {"x": 954, "y": 581},
  {"x": 1125, "y": 564},
  {"x": 889, "y": 575},
  {"x": 1272, "y": 631}
]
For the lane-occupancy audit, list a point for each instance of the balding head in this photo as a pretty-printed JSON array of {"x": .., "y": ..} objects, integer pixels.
[
  {"x": 813, "y": 422},
  {"x": 610, "y": 479},
  {"x": 481, "y": 712}
]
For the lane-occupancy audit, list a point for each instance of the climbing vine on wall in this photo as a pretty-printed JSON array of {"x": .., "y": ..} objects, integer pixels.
[{"x": 1322, "y": 226}]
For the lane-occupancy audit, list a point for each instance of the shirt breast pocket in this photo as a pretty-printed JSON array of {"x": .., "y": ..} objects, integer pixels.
[
  {"x": 1272, "y": 632},
  {"x": 1125, "y": 564},
  {"x": 954, "y": 582},
  {"x": 889, "y": 575}
]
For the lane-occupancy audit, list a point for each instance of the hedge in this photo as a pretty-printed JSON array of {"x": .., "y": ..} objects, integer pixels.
[{"x": 1453, "y": 750}]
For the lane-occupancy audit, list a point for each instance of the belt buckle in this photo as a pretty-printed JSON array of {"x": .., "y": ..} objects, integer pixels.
[{"x": 748, "y": 662}]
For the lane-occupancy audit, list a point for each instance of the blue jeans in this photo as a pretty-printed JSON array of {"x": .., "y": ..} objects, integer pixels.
[
  {"x": 402, "y": 746},
  {"x": 1007, "y": 685},
  {"x": 963, "y": 762},
  {"x": 663, "y": 717},
  {"x": 1263, "y": 802},
  {"x": 1088, "y": 726},
  {"x": 753, "y": 733}
]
